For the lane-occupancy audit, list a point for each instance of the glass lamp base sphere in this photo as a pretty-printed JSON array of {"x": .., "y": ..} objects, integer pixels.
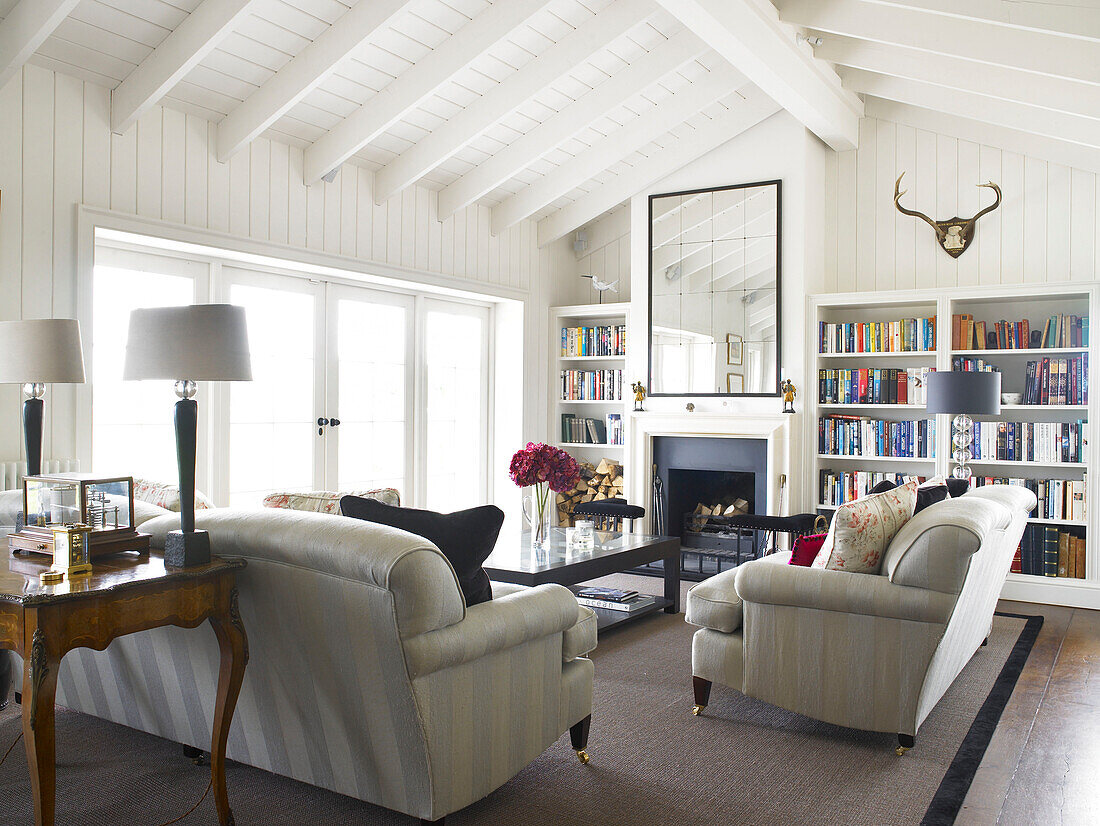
[
  {"x": 962, "y": 472},
  {"x": 34, "y": 390},
  {"x": 186, "y": 389}
]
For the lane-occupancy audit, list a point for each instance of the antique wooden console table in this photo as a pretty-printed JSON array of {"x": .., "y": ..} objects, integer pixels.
[{"x": 125, "y": 594}]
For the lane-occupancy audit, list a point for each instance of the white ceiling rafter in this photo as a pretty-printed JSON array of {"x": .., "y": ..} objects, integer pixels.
[
  {"x": 1080, "y": 19},
  {"x": 958, "y": 73},
  {"x": 752, "y": 107},
  {"x": 181, "y": 51},
  {"x": 416, "y": 84},
  {"x": 304, "y": 73},
  {"x": 1021, "y": 116},
  {"x": 512, "y": 92},
  {"x": 613, "y": 148},
  {"x": 25, "y": 28},
  {"x": 1034, "y": 51},
  {"x": 750, "y": 35}
]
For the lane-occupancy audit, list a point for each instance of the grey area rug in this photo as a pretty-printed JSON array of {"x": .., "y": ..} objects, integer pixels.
[{"x": 743, "y": 762}]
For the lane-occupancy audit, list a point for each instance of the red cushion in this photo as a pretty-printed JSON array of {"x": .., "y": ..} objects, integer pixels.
[{"x": 806, "y": 548}]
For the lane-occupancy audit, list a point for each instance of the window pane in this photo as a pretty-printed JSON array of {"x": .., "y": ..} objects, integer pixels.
[
  {"x": 371, "y": 342},
  {"x": 272, "y": 424},
  {"x": 456, "y": 427},
  {"x": 132, "y": 430}
]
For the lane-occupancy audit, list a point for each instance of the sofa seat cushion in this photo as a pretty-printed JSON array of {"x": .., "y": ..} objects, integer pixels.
[
  {"x": 581, "y": 638},
  {"x": 465, "y": 537}
]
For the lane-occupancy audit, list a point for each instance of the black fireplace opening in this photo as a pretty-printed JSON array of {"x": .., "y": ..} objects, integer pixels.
[{"x": 697, "y": 498}]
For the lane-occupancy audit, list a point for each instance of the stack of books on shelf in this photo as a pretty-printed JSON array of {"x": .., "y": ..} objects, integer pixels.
[
  {"x": 860, "y": 436},
  {"x": 1056, "y": 331},
  {"x": 1046, "y": 550},
  {"x": 962, "y": 364},
  {"x": 591, "y": 431},
  {"x": 1050, "y": 442},
  {"x": 591, "y": 385},
  {"x": 1057, "y": 381},
  {"x": 840, "y": 486},
  {"x": 613, "y": 599},
  {"x": 907, "y": 335},
  {"x": 609, "y": 340},
  {"x": 1058, "y": 498},
  {"x": 868, "y": 385}
]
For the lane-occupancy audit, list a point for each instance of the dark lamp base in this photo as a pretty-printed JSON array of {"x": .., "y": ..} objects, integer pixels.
[{"x": 186, "y": 550}]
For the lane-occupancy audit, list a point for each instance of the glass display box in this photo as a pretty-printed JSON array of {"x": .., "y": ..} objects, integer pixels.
[{"x": 105, "y": 506}]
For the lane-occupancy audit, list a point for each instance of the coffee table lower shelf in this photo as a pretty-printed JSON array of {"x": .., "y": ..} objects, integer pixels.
[{"x": 606, "y": 618}]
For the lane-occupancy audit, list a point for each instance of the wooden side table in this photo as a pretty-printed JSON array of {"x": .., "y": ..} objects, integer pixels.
[{"x": 124, "y": 595}]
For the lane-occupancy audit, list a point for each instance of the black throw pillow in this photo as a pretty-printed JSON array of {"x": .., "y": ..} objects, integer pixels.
[
  {"x": 466, "y": 537},
  {"x": 925, "y": 496},
  {"x": 957, "y": 487},
  {"x": 882, "y": 487}
]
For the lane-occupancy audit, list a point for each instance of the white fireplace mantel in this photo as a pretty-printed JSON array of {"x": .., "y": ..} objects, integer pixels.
[{"x": 645, "y": 425}]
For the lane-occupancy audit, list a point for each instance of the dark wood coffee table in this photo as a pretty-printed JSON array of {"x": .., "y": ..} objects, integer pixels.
[{"x": 514, "y": 561}]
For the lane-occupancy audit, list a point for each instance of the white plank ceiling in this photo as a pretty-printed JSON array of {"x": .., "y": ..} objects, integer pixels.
[{"x": 539, "y": 108}]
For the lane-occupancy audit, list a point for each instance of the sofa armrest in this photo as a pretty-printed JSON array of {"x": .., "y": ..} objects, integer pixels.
[
  {"x": 840, "y": 591},
  {"x": 580, "y": 639},
  {"x": 489, "y": 627}
]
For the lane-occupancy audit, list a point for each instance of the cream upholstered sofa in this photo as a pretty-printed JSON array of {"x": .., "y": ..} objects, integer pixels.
[
  {"x": 872, "y": 652},
  {"x": 368, "y": 674}
]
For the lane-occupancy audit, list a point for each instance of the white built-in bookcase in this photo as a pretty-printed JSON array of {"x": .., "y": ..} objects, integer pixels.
[
  {"x": 586, "y": 315},
  {"x": 1012, "y": 302}
]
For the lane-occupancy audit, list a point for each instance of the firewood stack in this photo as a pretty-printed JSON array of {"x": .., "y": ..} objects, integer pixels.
[
  {"x": 704, "y": 514},
  {"x": 602, "y": 481}
]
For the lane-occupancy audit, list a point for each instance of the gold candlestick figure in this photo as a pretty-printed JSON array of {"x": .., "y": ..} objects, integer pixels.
[
  {"x": 788, "y": 395},
  {"x": 639, "y": 395}
]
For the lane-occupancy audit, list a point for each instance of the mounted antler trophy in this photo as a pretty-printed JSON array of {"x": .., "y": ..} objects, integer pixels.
[{"x": 954, "y": 235}]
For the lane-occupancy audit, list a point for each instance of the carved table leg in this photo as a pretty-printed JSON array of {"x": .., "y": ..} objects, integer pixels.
[
  {"x": 39, "y": 687},
  {"x": 234, "y": 656}
]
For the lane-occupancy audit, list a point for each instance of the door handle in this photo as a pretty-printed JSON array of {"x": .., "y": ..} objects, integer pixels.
[
  {"x": 321, "y": 422},
  {"x": 335, "y": 422}
]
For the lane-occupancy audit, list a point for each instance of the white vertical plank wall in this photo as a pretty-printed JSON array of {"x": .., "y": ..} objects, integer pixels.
[
  {"x": 1046, "y": 228},
  {"x": 57, "y": 151}
]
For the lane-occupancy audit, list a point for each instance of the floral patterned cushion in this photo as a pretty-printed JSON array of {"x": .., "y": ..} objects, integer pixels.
[
  {"x": 862, "y": 530},
  {"x": 165, "y": 496},
  {"x": 327, "y": 501}
]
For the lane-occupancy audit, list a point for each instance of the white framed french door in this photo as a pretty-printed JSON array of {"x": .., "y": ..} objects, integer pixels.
[{"x": 269, "y": 441}]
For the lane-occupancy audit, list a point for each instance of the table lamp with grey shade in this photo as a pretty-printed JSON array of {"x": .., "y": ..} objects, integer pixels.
[
  {"x": 34, "y": 353},
  {"x": 202, "y": 342},
  {"x": 962, "y": 395}
]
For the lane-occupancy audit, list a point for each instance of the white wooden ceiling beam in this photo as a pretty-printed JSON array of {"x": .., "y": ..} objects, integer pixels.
[
  {"x": 608, "y": 151},
  {"x": 1080, "y": 19},
  {"x": 416, "y": 84},
  {"x": 25, "y": 28},
  {"x": 1045, "y": 53},
  {"x": 309, "y": 68},
  {"x": 1045, "y": 122},
  {"x": 664, "y": 59},
  {"x": 751, "y": 110},
  {"x": 507, "y": 96},
  {"x": 957, "y": 73},
  {"x": 750, "y": 35},
  {"x": 183, "y": 49},
  {"x": 967, "y": 128}
]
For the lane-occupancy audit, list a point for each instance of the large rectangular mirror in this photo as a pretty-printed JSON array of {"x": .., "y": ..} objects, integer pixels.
[{"x": 714, "y": 291}]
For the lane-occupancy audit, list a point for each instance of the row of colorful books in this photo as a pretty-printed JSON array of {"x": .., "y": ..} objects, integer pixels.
[
  {"x": 591, "y": 385},
  {"x": 869, "y": 385},
  {"x": 902, "y": 336},
  {"x": 1057, "y": 381},
  {"x": 592, "y": 431},
  {"x": 1058, "y": 498},
  {"x": 1056, "y": 331},
  {"x": 860, "y": 436},
  {"x": 1046, "y": 550},
  {"x": 1051, "y": 442},
  {"x": 840, "y": 486},
  {"x": 606, "y": 340}
]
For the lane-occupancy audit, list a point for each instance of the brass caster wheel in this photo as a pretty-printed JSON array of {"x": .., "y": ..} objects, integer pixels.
[
  {"x": 900, "y": 751},
  {"x": 696, "y": 710},
  {"x": 582, "y": 755}
]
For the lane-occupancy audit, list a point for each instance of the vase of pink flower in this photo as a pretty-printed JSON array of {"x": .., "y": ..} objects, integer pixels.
[{"x": 544, "y": 468}]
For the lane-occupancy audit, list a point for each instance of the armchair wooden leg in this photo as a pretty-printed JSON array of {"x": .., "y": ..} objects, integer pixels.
[
  {"x": 905, "y": 742},
  {"x": 578, "y": 736},
  {"x": 702, "y": 694}
]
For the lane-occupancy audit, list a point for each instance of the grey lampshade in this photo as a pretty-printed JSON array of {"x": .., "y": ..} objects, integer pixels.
[
  {"x": 203, "y": 342},
  {"x": 972, "y": 393},
  {"x": 43, "y": 350}
]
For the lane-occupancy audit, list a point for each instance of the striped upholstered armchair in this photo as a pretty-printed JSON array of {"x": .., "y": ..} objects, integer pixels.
[{"x": 872, "y": 652}]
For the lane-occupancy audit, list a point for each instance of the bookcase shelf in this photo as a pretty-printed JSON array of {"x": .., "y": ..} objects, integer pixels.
[{"x": 1035, "y": 302}]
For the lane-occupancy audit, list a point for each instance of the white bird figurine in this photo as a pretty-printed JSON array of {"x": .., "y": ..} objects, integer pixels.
[{"x": 602, "y": 286}]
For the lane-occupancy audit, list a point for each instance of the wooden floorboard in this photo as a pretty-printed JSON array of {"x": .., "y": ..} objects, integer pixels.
[{"x": 1042, "y": 763}]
